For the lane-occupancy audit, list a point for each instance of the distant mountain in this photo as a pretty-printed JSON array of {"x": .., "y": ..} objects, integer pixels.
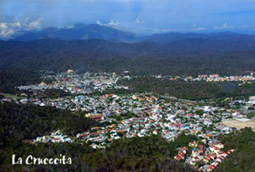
[
  {"x": 164, "y": 44},
  {"x": 94, "y": 31},
  {"x": 211, "y": 45},
  {"x": 92, "y": 45},
  {"x": 171, "y": 37},
  {"x": 194, "y": 43},
  {"x": 81, "y": 32}
]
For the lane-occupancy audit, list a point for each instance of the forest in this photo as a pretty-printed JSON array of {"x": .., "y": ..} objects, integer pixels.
[
  {"x": 242, "y": 159},
  {"x": 30, "y": 121},
  {"x": 197, "y": 90},
  {"x": 139, "y": 58}
]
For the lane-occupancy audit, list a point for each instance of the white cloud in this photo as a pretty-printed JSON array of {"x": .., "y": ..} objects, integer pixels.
[
  {"x": 7, "y": 30},
  {"x": 226, "y": 26},
  {"x": 5, "y": 33},
  {"x": 199, "y": 28},
  {"x": 99, "y": 23},
  {"x": 112, "y": 23},
  {"x": 69, "y": 26},
  {"x": 138, "y": 21},
  {"x": 3, "y": 26},
  {"x": 34, "y": 24}
]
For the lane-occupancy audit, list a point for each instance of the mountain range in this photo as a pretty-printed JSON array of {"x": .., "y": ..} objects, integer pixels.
[
  {"x": 79, "y": 31},
  {"x": 108, "y": 49},
  {"x": 171, "y": 43},
  {"x": 94, "y": 31}
]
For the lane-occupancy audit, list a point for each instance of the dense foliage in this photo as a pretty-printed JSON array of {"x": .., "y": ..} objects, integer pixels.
[
  {"x": 11, "y": 78},
  {"x": 20, "y": 122},
  {"x": 53, "y": 93},
  {"x": 187, "y": 90},
  {"x": 138, "y": 58},
  {"x": 75, "y": 151},
  {"x": 139, "y": 154},
  {"x": 136, "y": 154},
  {"x": 242, "y": 159}
]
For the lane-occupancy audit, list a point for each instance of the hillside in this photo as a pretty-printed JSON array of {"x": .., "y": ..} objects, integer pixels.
[
  {"x": 243, "y": 158},
  {"x": 27, "y": 122},
  {"x": 170, "y": 37},
  {"x": 185, "y": 57},
  {"x": 21, "y": 61}
]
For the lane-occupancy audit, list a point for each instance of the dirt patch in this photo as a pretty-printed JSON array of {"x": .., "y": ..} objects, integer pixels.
[{"x": 239, "y": 124}]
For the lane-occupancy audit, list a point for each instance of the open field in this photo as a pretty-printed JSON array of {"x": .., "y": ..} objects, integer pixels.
[
  {"x": 239, "y": 124},
  {"x": 9, "y": 95}
]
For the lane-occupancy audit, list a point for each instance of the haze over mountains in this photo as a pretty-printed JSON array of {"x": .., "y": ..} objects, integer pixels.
[
  {"x": 95, "y": 31},
  {"x": 106, "y": 39},
  {"x": 96, "y": 38},
  {"x": 79, "y": 31},
  {"x": 100, "y": 48}
]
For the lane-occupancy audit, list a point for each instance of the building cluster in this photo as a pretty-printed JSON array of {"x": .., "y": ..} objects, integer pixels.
[
  {"x": 217, "y": 78},
  {"x": 143, "y": 115},
  {"x": 54, "y": 137},
  {"x": 136, "y": 115},
  {"x": 139, "y": 115},
  {"x": 204, "y": 155},
  {"x": 77, "y": 83},
  {"x": 200, "y": 78},
  {"x": 89, "y": 83},
  {"x": 206, "y": 78}
]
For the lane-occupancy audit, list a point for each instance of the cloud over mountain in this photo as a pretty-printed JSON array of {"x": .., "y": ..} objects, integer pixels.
[
  {"x": 9, "y": 29},
  {"x": 111, "y": 23}
]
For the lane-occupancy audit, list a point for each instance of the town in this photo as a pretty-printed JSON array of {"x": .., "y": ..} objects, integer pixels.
[{"x": 137, "y": 115}]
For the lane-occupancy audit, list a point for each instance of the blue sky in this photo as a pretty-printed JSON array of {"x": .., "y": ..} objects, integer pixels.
[{"x": 140, "y": 16}]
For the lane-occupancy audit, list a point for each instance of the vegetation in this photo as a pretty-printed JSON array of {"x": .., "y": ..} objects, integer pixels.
[
  {"x": 53, "y": 93},
  {"x": 139, "y": 154},
  {"x": 136, "y": 154},
  {"x": 250, "y": 115},
  {"x": 21, "y": 122},
  {"x": 139, "y": 58},
  {"x": 11, "y": 78},
  {"x": 242, "y": 159},
  {"x": 20, "y": 149},
  {"x": 21, "y": 61},
  {"x": 188, "y": 90}
]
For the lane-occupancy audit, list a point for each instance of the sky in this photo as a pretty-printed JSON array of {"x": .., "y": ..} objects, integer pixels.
[{"x": 139, "y": 16}]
